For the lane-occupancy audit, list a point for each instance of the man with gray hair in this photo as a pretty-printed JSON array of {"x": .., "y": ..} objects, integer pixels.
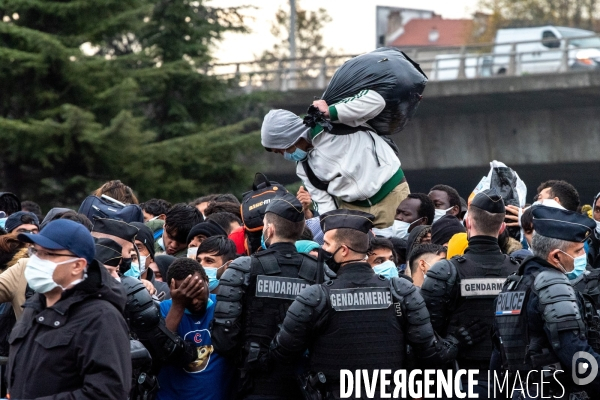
[
  {"x": 541, "y": 322},
  {"x": 351, "y": 167}
]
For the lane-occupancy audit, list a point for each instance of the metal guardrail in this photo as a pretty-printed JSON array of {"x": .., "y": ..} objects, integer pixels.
[{"x": 439, "y": 63}]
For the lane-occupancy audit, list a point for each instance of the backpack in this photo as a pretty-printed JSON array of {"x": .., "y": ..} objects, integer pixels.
[
  {"x": 107, "y": 207},
  {"x": 255, "y": 202}
]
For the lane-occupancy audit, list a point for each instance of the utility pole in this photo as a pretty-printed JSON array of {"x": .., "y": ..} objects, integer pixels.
[{"x": 292, "y": 75}]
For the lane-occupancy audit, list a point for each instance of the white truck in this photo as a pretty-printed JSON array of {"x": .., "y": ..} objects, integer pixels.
[{"x": 537, "y": 50}]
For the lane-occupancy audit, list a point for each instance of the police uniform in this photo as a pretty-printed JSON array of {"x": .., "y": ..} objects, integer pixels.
[
  {"x": 540, "y": 320},
  {"x": 359, "y": 320},
  {"x": 462, "y": 290},
  {"x": 255, "y": 293}
]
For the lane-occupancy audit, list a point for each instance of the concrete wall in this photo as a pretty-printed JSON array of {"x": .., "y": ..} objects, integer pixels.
[{"x": 515, "y": 137}]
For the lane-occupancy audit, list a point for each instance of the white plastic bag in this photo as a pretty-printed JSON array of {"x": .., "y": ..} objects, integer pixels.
[{"x": 507, "y": 181}]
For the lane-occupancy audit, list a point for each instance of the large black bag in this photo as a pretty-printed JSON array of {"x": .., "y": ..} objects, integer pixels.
[
  {"x": 389, "y": 72},
  {"x": 106, "y": 207}
]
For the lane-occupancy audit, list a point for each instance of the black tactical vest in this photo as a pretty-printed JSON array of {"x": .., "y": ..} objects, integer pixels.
[
  {"x": 479, "y": 286},
  {"x": 276, "y": 280},
  {"x": 277, "y": 277},
  {"x": 511, "y": 322},
  {"x": 363, "y": 331}
]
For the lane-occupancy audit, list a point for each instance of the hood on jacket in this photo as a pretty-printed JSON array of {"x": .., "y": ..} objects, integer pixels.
[
  {"x": 51, "y": 214},
  {"x": 22, "y": 253},
  {"x": 11, "y": 250},
  {"x": 155, "y": 225}
]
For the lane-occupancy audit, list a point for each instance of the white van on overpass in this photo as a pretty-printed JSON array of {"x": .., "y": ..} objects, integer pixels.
[{"x": 542, "y": 49}]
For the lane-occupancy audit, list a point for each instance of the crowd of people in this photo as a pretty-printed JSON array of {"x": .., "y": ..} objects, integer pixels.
[
  {"x": 186, "y": 305},
  {"x": 271, "y": 296}
]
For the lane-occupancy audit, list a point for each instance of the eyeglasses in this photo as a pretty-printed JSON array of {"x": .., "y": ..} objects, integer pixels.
[
  {"x": 45, "y": 254},
  {"x": 35, "y": 231}
]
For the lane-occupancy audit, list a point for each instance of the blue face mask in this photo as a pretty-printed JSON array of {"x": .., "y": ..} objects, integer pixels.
[
  {"x": 213, "y": 281},
  {"x": 262, "y": 241},
  {"x": 134, "y": 271},
  {"x": 579, "y": 264},
  {"x": 387, "y": 269},
  {"x": 298, "y": 155},
  {"x": 263, "y": 244}
]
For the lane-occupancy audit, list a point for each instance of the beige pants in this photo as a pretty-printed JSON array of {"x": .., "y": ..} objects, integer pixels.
[{"x": 385, "y": 210}]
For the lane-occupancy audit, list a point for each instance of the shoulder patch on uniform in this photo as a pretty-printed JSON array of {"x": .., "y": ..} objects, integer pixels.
[
  {"x": 481, "y": 286},
  {"x": 442, "y": 270},
  {"x": 279, "y": 287},
  {"x": 510, "y": 303},
  {"x": 548, "y": 277},
  {"x": 366, "y": 298},
  {"x": 241, "y": 264}
]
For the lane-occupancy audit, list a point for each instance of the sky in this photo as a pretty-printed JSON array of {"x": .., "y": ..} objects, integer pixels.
[{"x": 352, "y": 29}]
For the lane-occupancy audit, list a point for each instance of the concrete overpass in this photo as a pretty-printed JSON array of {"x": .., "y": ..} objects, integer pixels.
[{"x": 545, "y": 126}]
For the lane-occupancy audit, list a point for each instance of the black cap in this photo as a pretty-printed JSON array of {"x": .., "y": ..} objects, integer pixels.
[
  {"x": 444, "y": 228},
  {"x": 489, "y": 200},
  {"x": 350, "y": 219},
  {"x": 561, "y": 224},
  {"x": 145, "y": 236},
  {"x": 207, "y": 228},
  {"x": 108, "y": 252},
  {"x": 116, "y": 228},
  {"x": 287, "y": 207}
]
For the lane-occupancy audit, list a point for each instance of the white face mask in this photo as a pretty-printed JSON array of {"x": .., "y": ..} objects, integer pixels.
[
  {"x": 143, "y": 264},
  {"x": 191, "y": 253},
  {"x": 598, "y": 228},
  {"x": 440, "y": 213},
  {"x": 38, "y": 274},
  {"x": 399, "y": 229}
]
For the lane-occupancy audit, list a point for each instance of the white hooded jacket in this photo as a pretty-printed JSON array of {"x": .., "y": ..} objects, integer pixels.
[{"x": 356, "y": 165}]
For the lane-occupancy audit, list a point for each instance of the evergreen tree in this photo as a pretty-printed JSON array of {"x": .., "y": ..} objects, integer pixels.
[
  {"x": 178, "y": 36},
  {"x": 61, "y": 111},
  {"x": 97, "y": 90}
]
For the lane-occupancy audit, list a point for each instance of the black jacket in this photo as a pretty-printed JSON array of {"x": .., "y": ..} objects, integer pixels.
[{"x": 76, "y": 349}]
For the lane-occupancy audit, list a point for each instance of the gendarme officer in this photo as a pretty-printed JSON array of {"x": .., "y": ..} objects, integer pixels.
[
  {"x": 540, "y": 320},
  {"x": 359, "y": 320},
  {"x": 461, "y": 290},
  {"x": 255, "y": 293}
]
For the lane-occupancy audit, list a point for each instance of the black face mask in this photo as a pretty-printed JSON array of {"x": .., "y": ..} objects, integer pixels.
[
  {"x": 328, "y": 258},
  {"x": 125, "y": 265},
  {"x": 330, "y": 261}
]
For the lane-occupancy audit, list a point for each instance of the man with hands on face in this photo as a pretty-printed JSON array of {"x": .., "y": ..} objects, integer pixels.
[{"x": 189, "y": 314}]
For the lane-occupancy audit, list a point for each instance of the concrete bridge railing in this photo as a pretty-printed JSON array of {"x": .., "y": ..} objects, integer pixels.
[{"x": 439, "y": 63}]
